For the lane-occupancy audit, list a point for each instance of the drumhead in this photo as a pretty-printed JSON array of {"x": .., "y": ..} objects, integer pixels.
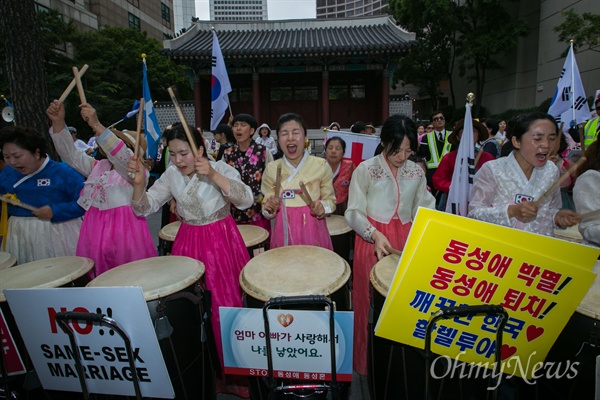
[
  {"x": 571, "y": 234},
  {"x": 337, "y": 225},
  {"x": 46, "y": 273},
  {"x": 157, "y": 276},
  {"x": 294, "y": 271},
  {"x": 7, "y": 260},
  {"x": 383, "y": 273},
  {"x": 590, "y": 305},
  {"x": 168, "y": 232},
  {"x": 253, "y": 235}
]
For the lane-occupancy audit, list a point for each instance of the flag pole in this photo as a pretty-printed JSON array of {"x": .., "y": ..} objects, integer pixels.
[{"x": 572, "y": 82}]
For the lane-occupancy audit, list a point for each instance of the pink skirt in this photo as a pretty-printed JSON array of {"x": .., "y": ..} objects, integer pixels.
[
  {"x": 301, "y": 228},
  {"x": 364, "y": 260},
  {"x": 114, "y": 237},
  {"x": 220, "y": 247}
]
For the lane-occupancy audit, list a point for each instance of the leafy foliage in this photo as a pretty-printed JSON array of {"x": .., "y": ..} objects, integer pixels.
[{"x": 584, "y": 29}]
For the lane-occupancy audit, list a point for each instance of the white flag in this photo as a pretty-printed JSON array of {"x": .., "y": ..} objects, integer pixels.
[
  {"x": 359, "y": 147},
  {"x": 569, "y": 101},
  {"x": 220, "y": 85},
  {"x": 464, "y": 170}
]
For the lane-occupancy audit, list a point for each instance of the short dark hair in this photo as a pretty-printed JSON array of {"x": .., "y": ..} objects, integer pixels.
[
  {"x": 178, "y": 132},
  {"x": 519, "y": 125},
  {"x": 436, "y": 112},
  {"x": 358, "y": 127},
  {"x": 25, "y": 138},
  {"x": 395, "y": 129},
  {"x": 492, "y": 124},
  {"x": 290, "y": 117},
  {"x": 247, "y": 118},
  {"x": 339, "y": 139}
]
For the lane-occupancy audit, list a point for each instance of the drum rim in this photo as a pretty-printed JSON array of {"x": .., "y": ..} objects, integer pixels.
[
  {"x": 586, "y": 305},
  {"x": 86, "y": 265},
  {"x": 251, "y": 290},
  {"x": 169, "y": 238},
  {"x": 264, "y": 234},
  {"x": 345, "y": 229},
  {"x": 9, "y": 262},
  {"x": 151, "y": 294},
  {"x": 377, "y": 285}
]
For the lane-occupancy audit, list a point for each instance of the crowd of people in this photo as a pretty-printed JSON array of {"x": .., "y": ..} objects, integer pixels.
[{"x": 96, "y": 206}]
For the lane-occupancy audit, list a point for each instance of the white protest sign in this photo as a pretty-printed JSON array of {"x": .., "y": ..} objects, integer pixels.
[
  {"x": 299, "y": 342},
  {"x": 102, "y": 350}
]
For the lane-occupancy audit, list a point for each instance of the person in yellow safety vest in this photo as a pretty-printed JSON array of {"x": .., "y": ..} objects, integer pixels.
[
  {"x": 591, "y": 129},
  {"x": 434, "y": 145}
]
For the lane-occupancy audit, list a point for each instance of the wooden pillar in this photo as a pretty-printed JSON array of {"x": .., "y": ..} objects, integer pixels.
[
  {"x": 385, "y": 94},
  {"x": 256, "y": 97},
  {"x": 325, "y": 97},
  {"x": 197, "y": 103}
]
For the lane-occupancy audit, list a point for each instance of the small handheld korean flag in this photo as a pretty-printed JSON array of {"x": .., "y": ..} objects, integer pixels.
[
  {"x": 569, "y": 101},
  {"x": 220, "y": 85}
]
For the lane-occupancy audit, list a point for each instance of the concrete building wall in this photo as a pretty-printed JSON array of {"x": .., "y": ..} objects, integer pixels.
[
  {"x": 238, "y": 10},
  {"x": 350, "y": 8},
  {"x": 183, "y": 11}
]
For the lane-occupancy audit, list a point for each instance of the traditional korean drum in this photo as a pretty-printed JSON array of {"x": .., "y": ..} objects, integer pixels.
[
  {"x": 296, "y": 271},
  {"x": 174, "y": 298},
  {"x": 255, "y": 238},
  {"x": 46, "y": 273},
  {"x": 7, "y": 260},
  {"x": 166, "y": 237},
  {"x": 570, "y": 234},
  {"x": 342, "y": 237},
  {"x": 579, "y": 343}
]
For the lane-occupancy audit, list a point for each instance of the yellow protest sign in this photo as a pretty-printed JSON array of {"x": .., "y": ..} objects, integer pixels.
[{"x": 450, "y": 261}]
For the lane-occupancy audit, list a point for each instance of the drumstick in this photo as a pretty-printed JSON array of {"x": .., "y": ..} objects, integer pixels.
[
  {"x": 278, "y": 181},
  {"x": 183, "y": 122},
  {"x": 79, "y": 85},
  {"x": 305, "y": 195},
  {"x": 589, "y": 214},
  {"x": 71, "y": 86},
  {"x": 18, "y": 203},
  {"x": 560, "y": 180},
  {"x": 391, "y": 250},
  {"x": 139, "y": 128}
]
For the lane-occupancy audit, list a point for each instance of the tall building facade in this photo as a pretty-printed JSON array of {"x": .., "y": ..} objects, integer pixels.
[
  {"x": 183, "y": 10},
  {"x": 350, "y": 8},
  {"x": 238, "y": 10},
  {"x": 152, "y": 16}
]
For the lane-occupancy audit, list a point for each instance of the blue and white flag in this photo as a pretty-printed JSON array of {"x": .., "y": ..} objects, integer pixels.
[
  {"x": 569, "y": 101},
  {"x": 134, "y": 110},
  {"x": 151, "y": 127},
  {"x": 220, "y": 85},
  {"x": 464, "y": 170}
]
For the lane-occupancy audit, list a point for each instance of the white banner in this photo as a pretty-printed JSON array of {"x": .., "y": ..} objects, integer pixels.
[{"x": 359, "y": 147}]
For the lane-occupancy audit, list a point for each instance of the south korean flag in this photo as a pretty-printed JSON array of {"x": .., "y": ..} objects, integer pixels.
[{"x": 43, "y": 182}]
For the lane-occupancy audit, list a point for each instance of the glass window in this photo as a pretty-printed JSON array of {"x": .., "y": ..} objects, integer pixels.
[
  {"x": 246, "y": 94},
  {"x": 306, "y": 93},
  {"x": 338, "y": 92},
  {"x": 135, "y": 3},
  {"x": 282, "y": 93},
  {"x": 357, "y": 91},
  {"x": 134, "y": 22}
]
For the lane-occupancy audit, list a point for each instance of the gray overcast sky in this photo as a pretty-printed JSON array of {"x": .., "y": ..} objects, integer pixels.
[{"x": 277, "y": 9}]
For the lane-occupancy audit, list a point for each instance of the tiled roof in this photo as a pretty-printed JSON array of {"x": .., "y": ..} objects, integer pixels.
[{"x": 296, "y": 38}]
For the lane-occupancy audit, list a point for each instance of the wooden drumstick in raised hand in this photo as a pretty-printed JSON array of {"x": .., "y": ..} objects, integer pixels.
[
  {"x": 71, "y": 86},
  {"x": 79, "y": 85},
  {"x": 278, "y": 182},
  {"x": 183, "y": 122},
  {"x": 305, "y": 195},
  {"x": 139, "y": 128},
  {"x": 560, "y": 180}
]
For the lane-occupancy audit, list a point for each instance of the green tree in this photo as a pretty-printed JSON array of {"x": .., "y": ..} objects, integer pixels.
[
  {"x": 584, "y": 29},
  {"x": 114, "y": 78}
]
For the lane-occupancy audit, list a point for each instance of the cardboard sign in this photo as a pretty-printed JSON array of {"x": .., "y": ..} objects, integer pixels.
[
  {"x": 299, "y": 341},
  {"x": 12, "y": 357},
  {"x": 451, "y": 261},
  {"x": 102, "y": 350}
]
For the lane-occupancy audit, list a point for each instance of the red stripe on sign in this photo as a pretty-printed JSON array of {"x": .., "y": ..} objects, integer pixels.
[{"x": 356, "y": 153}]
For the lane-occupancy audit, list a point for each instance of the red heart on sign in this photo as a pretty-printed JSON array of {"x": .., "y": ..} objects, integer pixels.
[
  {"x": 533, "y": 332},
  {"x": 508, "y": 351},
  {"x": 285, "y": 319}
]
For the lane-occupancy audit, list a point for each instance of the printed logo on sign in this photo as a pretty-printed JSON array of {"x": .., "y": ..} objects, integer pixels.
[
  {"x": 522, "y": 198},
  {"x": 43, "y": 182},
  {"x": 288, "y": 194}
]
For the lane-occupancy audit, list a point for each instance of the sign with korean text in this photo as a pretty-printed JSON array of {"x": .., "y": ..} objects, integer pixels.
[
  {"x": 102, "y": 351},
  {"x": 452, "y": 261},
  {"x": 300, "y": 343},
  {"x": 12, "y": 357}
]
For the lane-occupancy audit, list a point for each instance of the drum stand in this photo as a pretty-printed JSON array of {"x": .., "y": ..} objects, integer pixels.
[
  {"x": 101, "y": 319},
  {"x": 464, "y": 311}
]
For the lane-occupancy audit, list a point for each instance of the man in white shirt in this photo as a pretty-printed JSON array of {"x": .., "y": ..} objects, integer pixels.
[{"x": 80, "y": 144}]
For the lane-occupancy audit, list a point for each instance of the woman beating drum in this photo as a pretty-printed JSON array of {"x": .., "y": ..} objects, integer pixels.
[
  {"x": 385, "y": 193},
  {"x": 51, "y": 227},
  {"x": 203, "y": 190},
  {"x": 298, "y": 190},
  {"x": 111, "y": 234}
]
